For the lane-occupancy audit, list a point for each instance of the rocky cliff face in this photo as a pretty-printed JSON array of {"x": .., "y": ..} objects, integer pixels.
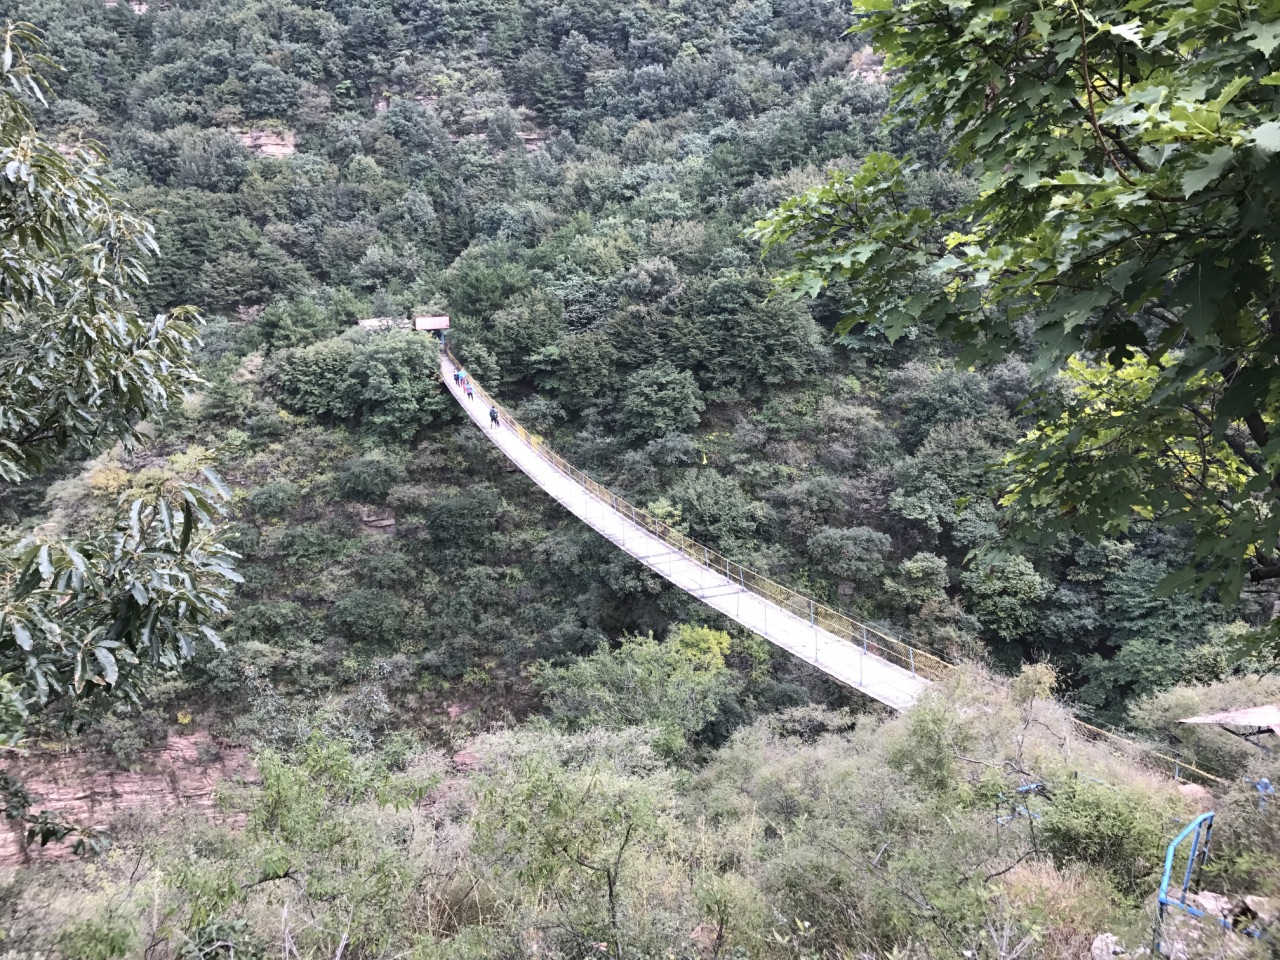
[
  {"x": 269, "y": 143},
  {"x": 183, "y": 773}
]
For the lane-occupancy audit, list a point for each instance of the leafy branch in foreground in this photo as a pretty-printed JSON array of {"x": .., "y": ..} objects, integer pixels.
[
  {"x": 80, "y": 369},
  {"x": 78, "y": 364},
  {"x": 1127, "y": 161},
  {"x": 97, "y": 616}
]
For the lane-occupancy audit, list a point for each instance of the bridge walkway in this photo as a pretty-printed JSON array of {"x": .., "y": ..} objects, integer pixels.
[
  {"x": 859, "y": 659},
  {"x": 861, "y": 655}
]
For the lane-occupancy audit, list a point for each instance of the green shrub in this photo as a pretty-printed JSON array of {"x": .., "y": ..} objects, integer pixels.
[
  {"x": 384, "y": 566},
  {"x": 274, "y": 499},
  {"x": 295, "y": 323},
  {"x": 94, "y": 939},
  {"x": 1114, "y": 828},
  {"x": 461, "y": 527},
  {"x": 272, "y": 621},
  {"x": 716, "y": 509},
  {"x": 370, "y": 616},
  {"x": 679, "y": 686},
  {"x": 660, "y": 399},
  {"x": 370, "y": 478},
  {"x": 388, "y": 384},
  {"x": 222, "y": 937},
  {"x": 312, "y": 545},
  {"x": 926, "y": 754},
  {"x": 856, "y": 553}
]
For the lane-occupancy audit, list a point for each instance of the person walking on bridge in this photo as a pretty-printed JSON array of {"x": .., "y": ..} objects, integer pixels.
[
  {"x": 493, "y": 416},
  {"x": 471, "y": 394}
]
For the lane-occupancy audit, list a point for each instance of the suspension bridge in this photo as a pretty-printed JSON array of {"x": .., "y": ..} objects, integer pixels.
[{"x": 862, "y": 655}]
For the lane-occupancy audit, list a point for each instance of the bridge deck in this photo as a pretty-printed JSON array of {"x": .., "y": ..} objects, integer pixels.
[{"x": 845, "y": 661}]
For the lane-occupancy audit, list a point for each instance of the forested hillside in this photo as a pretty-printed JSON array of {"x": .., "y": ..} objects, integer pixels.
[
  {"x": 574, "y": 184},
  {"x": 571, "y": 185}
]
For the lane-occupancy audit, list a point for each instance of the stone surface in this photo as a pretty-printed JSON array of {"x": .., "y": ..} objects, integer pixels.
[
  {"x": 88, "y": 790},
  {"x": 1105, "y": 946},
  {"x": 269, "y": 143},
  {"x": 374, "y": 519},
  {"x": 1265, "y": 909},
  {"x": 1213, "y": 904}
]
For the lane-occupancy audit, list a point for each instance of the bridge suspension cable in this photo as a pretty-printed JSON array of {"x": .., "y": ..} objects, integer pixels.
[{"x": 860, "y": 654}]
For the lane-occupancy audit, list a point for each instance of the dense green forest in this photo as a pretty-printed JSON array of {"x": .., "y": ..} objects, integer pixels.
[
  {"x": 572, "y": 186},
  {"x": 576, "y": 186}
]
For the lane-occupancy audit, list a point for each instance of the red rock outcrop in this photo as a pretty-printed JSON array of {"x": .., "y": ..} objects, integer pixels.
[
  {"x": 89, "y": 791},
  {"x": 269, "y": 143}
]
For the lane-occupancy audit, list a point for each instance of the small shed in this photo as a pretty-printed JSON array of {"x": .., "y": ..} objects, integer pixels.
[{"x": 431, "y": 323}]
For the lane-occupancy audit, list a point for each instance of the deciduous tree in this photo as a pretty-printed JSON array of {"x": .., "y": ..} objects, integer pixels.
[{"x": 1128, "y": 160}]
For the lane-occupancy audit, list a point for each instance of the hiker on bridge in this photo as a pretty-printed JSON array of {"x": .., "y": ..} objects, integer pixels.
[
  {"x": 471, "y": 394},
  {"x": 493, "y": 416}
]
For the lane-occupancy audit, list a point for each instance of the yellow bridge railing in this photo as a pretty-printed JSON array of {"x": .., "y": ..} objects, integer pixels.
[
  {"x": 1177, "y": 767},
  {"x": 867, "y": 637}
]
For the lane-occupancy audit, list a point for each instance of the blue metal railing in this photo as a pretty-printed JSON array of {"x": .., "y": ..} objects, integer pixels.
[
  {"x": 1200, "y": 832},
  {"x": 1200, "y": 827}
]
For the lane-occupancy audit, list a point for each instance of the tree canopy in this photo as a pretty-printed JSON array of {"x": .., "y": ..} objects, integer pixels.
[
  {"x": 79, "y": 368},
  {"x": 1123, "y": 228},
  {"x": 478, "y": 728}
]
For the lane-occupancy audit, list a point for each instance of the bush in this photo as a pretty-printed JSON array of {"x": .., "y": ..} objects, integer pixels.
[
  {"x": 716, "y": 508},
  {"x": 856, "y": 553},
  {"x": 127, "y": 734},
  {"x": 384, "y": 566},
  {"x": 1110, "y": 827},
  {"x": 462, "y": 526},
  {"x": 932, "y": 398},
  {"x": 94, "y": 939},
  {"x": 274, "y": 499},
  {"x": 388, "y": 384},
  {"x": 370, "y": 616},
  {"x": 295, "y": 323},
  {"x": 677, "y": 687},
  {"x": 222, "y": 937},
  {"x": 660, "y": 399},
  {"x": 311, "y": 545},
  {"x": 369, "y": 479},
  {"x": 530, "y": 323}
]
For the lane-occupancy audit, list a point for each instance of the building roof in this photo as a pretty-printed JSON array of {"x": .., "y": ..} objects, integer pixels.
[{"x": 1264, "y": 716}]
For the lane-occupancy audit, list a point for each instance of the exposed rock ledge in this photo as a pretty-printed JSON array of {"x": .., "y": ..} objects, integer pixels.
[
  {"x": 269, "y": 143},
  {"x": 183, "y": 773}
]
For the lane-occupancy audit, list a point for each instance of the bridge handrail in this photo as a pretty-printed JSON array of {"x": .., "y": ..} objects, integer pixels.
[
  {"x": 865, "y": 635},
  {"x": 869, "y": 637},
  {"x": 1177, "y": 767}
]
